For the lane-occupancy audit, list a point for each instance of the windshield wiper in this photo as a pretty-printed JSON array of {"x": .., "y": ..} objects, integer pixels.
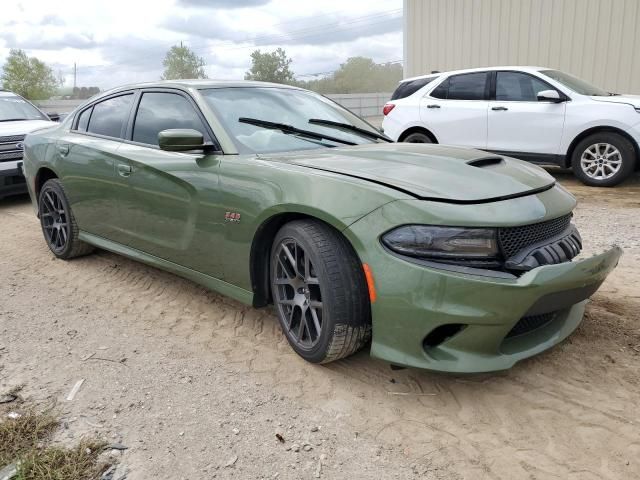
[
  {"x": 14, "y": 119},
  {"x": 349, "y": 128},
  {"x": 291, "y": 130}
]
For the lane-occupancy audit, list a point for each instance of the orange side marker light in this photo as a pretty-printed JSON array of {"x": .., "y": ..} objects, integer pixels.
[{"x": 368, "y": 275}]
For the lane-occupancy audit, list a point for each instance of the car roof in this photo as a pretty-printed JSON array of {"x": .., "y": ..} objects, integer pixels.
[
  {"x": 479, "y": 69},
  {"x": 197, "y": 84}
]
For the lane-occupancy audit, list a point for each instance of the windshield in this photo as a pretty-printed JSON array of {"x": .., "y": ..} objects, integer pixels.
[
  {"x": 575, "y": 84},
  {"x": 284, "y": 106},
  {"x": 13, "y": 107}
]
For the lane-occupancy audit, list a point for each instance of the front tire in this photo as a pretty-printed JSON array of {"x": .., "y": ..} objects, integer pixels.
[
  {"x": 58, "y": 223},
  {"x": 319, "y": 291},
  {"x": 603, "y": 159}
]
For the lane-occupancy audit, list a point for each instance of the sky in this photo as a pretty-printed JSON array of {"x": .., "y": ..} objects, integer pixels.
[{"x": 114, "y": 42}]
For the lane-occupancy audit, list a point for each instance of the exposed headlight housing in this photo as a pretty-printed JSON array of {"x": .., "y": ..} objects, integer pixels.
[{"x": 459, "y": 245}]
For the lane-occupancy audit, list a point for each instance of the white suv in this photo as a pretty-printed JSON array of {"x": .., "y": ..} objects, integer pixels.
[
  {"x": 535, "y": 114},
  {"x": 17, "y": 118}
]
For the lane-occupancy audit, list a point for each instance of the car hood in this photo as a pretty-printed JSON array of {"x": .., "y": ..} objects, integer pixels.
[
  {"x": 633, "y": 100},
  {"x": 22, "y": 127},
  {"x": 430, "y": 172}
]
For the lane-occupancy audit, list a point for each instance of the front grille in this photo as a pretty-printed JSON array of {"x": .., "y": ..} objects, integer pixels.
[
  {"x": 9, "y": 149},
  {"x": 514, "y": 239},
  {"x": 530, "y": 323}
]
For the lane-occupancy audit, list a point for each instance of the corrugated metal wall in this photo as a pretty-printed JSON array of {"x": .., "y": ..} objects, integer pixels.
[{"x": 597, "y": 40}]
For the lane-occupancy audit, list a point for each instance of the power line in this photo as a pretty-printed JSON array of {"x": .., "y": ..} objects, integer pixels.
[
  {"x": 289, "y": 36},
  {"x": 261, "y": 38},
  {"x": 270, "y": 39}
]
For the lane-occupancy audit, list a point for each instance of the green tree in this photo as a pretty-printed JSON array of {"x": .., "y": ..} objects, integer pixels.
[
  {"x": 28, "y": 76},
  {"x": 358, "y": 75},
  {"x": 182, "y": 62},
  {"x": 270, "y": 67}
]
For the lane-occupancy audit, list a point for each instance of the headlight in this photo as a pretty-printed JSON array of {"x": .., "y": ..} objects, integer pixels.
[{"x": 443, "y": 243}]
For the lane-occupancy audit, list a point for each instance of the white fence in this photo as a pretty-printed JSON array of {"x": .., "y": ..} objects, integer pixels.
[
  {"x": 363, "y": 104},
  {"x": 58, "y": 106}
]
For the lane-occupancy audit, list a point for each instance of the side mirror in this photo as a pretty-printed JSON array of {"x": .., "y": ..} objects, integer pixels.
[
  {"x": 180, "y": 140},
  {"x": 53, "y": 116},
  {"x": 549, "y": 96}
]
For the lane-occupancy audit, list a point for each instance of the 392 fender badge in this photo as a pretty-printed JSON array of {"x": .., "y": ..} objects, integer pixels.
[{"x": 231, "y": 217}]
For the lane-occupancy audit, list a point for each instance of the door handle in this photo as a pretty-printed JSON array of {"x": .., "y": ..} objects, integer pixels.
[
  {"x": 63, "y": 148},
  {"x": 499, "y": 109},
  {"x": 433, "y": 106},
  {"x": 124, "y": 170}
]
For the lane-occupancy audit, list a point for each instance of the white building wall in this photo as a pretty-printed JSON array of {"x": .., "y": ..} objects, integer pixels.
[{"x": 597, "y": 40}]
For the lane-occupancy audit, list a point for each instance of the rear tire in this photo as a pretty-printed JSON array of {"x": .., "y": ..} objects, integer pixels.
[
  {"x": 417, "y": 137},
  {"x": 603, "y": 159},
  {"x": 319, "y": 291},
  {"x": 59, "y": 226}
]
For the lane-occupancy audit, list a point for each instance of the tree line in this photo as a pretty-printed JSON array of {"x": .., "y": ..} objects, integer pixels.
[
  {"x": 33, "y": 79},
  {"x": 356, "y": 75}
]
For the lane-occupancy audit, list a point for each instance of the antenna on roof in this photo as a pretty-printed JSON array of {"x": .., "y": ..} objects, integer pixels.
[{"x": 435, "y": 71}]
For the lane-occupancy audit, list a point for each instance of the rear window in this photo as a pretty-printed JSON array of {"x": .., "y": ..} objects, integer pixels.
[
  {"x": 83, "y": 120},
  {"x": 409, "y": 88},
  {"x": 109, "y": 116},
  {"x": 467, "y": 86}
]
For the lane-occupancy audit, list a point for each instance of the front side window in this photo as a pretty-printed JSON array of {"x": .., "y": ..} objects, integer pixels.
[
  {"x": 518, "y": 87},
  {"x": 15, "y": 108},
  {"x": 238, "y": 107},
  {"x": 162, "y": 111},
  {"x": 109, "y": 116}
]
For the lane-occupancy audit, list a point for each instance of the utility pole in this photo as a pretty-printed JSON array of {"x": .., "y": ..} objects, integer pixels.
[{"x": 75, "y": 74}]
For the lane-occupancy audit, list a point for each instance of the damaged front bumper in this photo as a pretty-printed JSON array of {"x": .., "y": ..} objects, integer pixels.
[
  {"x": 502, "y": 321},
  {"x": 462, "y": 320}
]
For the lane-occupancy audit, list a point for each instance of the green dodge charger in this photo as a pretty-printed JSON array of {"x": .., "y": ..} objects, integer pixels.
[{"x": 441, "y": 258}]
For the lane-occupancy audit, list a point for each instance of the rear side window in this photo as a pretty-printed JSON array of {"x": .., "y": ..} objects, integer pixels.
[
  {"x": 83, "y": 120},
  {"x": 468, "y": 86},
  {"x": 518, "y": 87},
  {"x": 409, "y": 88},
  {"x": 161, "y": 111},
  {"x": 109, "y": 116}
]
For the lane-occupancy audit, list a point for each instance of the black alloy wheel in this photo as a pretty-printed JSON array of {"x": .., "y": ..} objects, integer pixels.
[
  {"x": 58, "y": 223},
  {"x": 319, "y": 291}
]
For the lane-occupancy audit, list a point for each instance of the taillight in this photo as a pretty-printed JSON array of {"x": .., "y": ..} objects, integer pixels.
[{"x": 387, "y": 108}]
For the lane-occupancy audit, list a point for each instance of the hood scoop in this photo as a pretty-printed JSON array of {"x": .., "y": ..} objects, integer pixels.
[{"x": 485, "y": 162}]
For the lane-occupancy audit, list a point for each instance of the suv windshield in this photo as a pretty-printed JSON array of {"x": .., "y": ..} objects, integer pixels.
[
  {"x": 272, "y": 119},
  {"x": 14, "y": 108},
  {"x": 575, "y": 84}
]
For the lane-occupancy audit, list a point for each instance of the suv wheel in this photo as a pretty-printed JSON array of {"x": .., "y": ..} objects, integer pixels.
[
  {"x": 319, "y": 291},
  {"x": 417, "y": 137},
  {"x": 603, "y": 159}
]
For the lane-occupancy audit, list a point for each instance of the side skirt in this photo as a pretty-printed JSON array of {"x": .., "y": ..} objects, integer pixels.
[
  {"x": 207, "y": 281},
  {"x": 539, "y": 158}
]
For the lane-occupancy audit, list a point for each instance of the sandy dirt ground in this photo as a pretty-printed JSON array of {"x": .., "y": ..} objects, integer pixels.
[{"x": 197, "y": 386}]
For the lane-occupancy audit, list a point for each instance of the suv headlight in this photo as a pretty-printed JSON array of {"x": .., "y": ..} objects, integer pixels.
[{"x": 443, "y": 243}]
